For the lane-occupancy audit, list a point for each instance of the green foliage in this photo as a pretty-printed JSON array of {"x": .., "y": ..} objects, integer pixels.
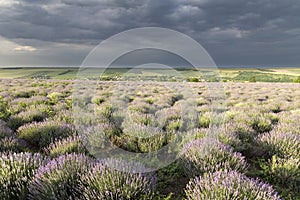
[
  {"x": 193, "y": 79},
  {"x": 261, "y": 124},
  {"x": 4, "y": 114},
  {"x": 297, "y": 80},
  {"x": 98, "y": 100},
  {"x": 172, "y": 179},
  {"x": 234, "y": 74},
  {"x": 73, "y": 144},
  {"x": 55, "y": 97},
  {"x": 284, "y": 173},
  {"x": 28, "y": 116},
  {"x": 150, "y": 101},
  {"x": 252, "y": 79},
  {"x": 204, "y": 120},
  {"x": 262, "y": 77},
  {"x": 42, "y": 134}
]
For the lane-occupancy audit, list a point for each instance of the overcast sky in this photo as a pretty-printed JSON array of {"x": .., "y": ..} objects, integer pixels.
[{"x": 234, "y": 32}]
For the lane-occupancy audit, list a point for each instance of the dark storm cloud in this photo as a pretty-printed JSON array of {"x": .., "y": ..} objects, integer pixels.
[{"x": 232, "y": 31}]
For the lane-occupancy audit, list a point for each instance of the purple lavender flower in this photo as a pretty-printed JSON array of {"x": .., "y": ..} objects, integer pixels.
[
  {"x": 284, "y": 145},
  {"x": 227, "y": 185},
  {"x": 17, "y": 170},
  {"x": 10, "y": 144},
  {"x": 73, "y": 144},
  {"x": 104, "y": 181},
  {"x": 4, "y": 130},
  {"x": 60, "y": 178},
  {"x": 210, "y": 155}
]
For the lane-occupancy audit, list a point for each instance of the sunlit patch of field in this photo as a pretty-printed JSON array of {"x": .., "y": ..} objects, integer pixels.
[
  {"x": 287, "y": 71},
  {"x": 54, "y": 73}
]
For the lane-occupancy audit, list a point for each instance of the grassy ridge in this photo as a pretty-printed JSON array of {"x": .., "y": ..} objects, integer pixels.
[{"x": 227, "y": 74}]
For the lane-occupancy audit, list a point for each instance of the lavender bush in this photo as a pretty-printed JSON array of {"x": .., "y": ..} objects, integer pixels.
[
  {"x": 24, "y": 117},
  {"x": 60, "y": 178},
  {"x": 166, "y": 115},
  {"x": 105, "y": 182},
  {"x": 55, "y": 97},
  {"x": 260, "y": 123},
  {"x": 141, "y": 107},
  {"x": 64, "y": 116},
  {"x": 289, "y": 122},
  {"x": 10, "y": 144},
  {"x": 282, "y": 172},
  {"x": 43, "y": 133},
  {"x": 16, "y": 172},
  {"x": 284, "y": 127},
  {"x": 229, "y": 134},
  {"x": 142, "y": 138},
  {"x": 140, "y": 118},
  {"x": 210, "y": 155},
  {"x": 24, "y": 94},
  {"x": 284, "y": 145},
  {"x": 72, "y": 144},
  {"x": 228, "y": 185},
  {"x": 205, "y": 119},
  {"x": 4, "y": 130},
  {"x": 25, "y": 102}
]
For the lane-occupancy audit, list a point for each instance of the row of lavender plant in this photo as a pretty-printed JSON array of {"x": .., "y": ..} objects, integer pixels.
[{"x": 261, "y": 124}]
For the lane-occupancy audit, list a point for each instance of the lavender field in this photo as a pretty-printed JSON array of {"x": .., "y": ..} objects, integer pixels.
[{"x": 255, "y": 153}]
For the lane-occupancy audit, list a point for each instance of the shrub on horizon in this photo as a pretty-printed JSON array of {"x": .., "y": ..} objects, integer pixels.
[{"x": 297, "y": 80}]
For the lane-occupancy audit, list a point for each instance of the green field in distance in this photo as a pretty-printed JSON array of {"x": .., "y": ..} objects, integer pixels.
[{"x": 192, "y": 75}]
